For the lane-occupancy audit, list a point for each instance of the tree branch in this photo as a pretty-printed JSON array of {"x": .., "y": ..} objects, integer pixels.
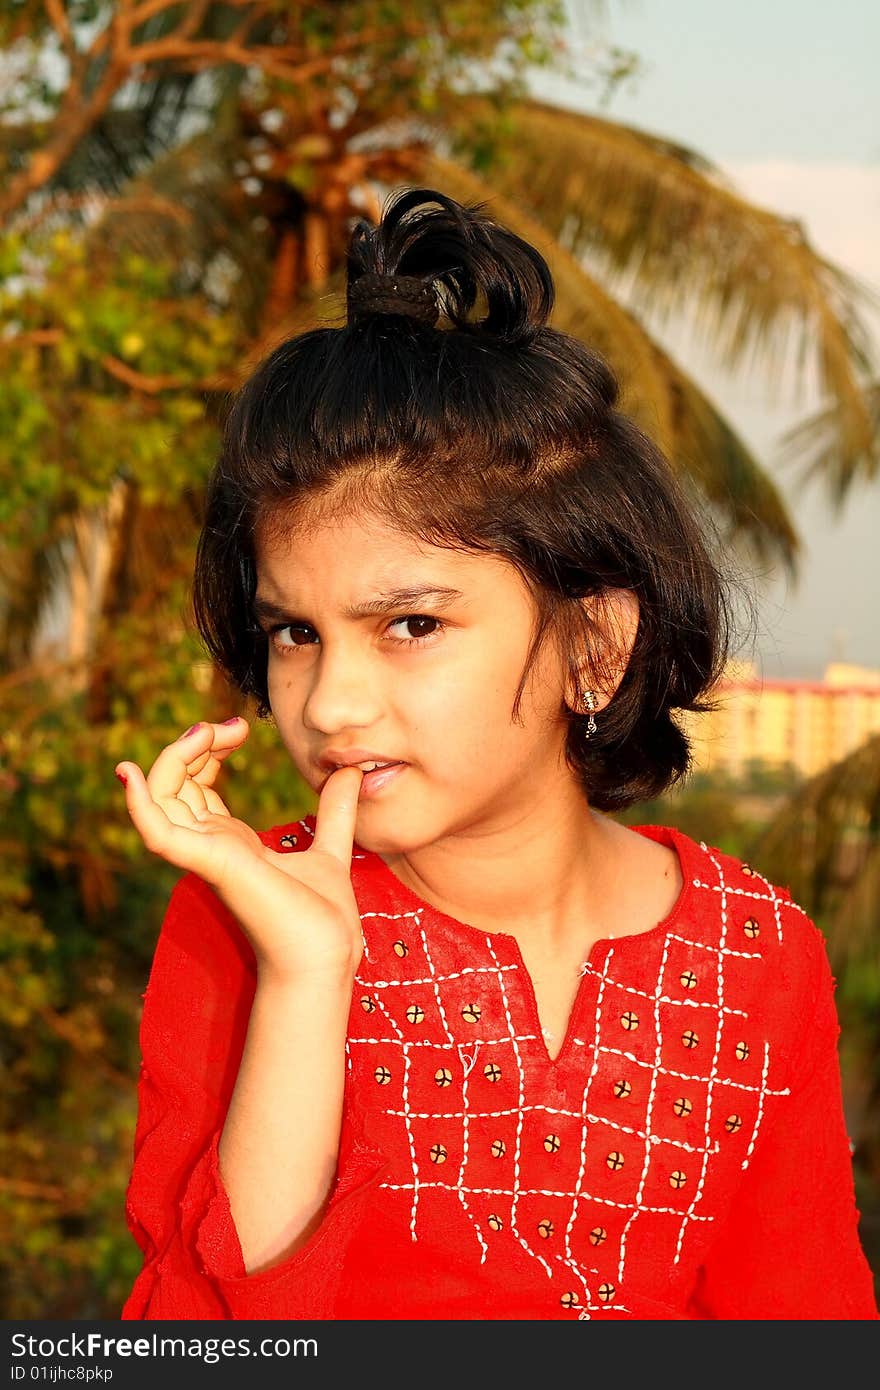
[
  {"x": 76, "y": 117},
  {"x": 61, "y": 25},
  {"x": 20, "y": 1187}
]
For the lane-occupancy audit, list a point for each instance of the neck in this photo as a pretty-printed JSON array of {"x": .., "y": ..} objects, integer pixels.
[{"x": 542, "y": 876}]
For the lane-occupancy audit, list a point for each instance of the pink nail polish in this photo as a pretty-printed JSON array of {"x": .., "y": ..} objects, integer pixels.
[
  {"x": 233, "y": 720},
  {"x": 191, "y": 731}
]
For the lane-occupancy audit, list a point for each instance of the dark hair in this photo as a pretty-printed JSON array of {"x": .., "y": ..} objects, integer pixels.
[{"x": 486, "y": 431}]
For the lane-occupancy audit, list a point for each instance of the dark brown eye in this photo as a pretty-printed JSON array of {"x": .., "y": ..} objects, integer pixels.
[
  {"x": 294, "y": 630},
  {"x": 414, "y": 624}
]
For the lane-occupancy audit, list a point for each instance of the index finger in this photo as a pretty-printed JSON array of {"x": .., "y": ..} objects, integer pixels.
[{"x": 337, "y": 813}]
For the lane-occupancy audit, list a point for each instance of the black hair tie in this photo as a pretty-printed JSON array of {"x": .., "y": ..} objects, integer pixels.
[{"x": 393, "y": 294}]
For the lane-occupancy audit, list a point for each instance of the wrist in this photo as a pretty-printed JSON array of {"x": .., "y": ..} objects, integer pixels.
[{"x": 332, "y": 979}]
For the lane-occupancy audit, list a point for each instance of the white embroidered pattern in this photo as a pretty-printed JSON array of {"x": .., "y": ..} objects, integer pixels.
[{"x": 718, "y": 1023}]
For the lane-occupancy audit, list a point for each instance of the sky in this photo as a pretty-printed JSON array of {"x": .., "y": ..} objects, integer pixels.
[{"x": 784, "y": 98}]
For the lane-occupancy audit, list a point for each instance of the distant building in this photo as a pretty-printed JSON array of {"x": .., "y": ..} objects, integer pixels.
[{"x": 805, "y": 724}]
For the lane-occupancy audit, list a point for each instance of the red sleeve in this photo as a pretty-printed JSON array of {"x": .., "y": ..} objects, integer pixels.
[
  {"x": 790, "y": 1248},
  {"x": 193, "y": 1029}
]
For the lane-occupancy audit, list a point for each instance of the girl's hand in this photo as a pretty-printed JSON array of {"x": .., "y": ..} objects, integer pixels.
[{"x": 298, "y": 910}]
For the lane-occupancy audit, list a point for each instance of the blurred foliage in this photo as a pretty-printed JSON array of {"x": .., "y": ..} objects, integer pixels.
[{"x": 165, "y": 219}]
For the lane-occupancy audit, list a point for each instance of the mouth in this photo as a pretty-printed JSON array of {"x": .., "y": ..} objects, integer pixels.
[
  {"x": 376, "y": 780},
  {"x": 373, "y": 766},
  {"x": 374, "y": 772}
]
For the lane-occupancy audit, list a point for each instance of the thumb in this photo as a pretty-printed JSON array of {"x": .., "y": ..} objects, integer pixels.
[
  {"x": 132, "y": 779},
  {"x": 337, "y": 813},
  {"x": 149, "y": 819}
]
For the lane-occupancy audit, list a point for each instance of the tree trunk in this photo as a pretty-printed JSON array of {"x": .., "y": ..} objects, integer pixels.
[
  {"x": 285, "y": 281},
  {"x": 316, "y": 250},
  {"x": 111, "y": 590}
]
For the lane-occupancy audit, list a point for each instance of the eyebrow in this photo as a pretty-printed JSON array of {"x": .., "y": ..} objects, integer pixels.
[{"x": 394, "y": 599}]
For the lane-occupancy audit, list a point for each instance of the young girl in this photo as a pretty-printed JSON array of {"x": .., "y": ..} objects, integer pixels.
[{"x": 461, "y": 1045}]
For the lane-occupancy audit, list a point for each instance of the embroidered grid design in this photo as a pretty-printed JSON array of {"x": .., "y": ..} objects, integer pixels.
[{"x": 719, "y": 1018}]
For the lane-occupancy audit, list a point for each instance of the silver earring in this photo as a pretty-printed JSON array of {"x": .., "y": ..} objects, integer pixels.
[{"x": 589, "y": 700}]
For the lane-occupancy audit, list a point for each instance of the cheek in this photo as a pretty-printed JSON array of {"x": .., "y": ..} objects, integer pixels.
[
  {"x": 285, "y": 700},
  {"x": 467, "y": 720},
  {"x": 281, "y": 678}
]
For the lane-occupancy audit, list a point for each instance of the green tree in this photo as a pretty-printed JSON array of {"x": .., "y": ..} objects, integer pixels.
[{"x": 177, "y": 184}]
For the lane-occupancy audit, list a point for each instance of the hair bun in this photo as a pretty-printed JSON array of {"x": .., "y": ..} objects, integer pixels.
[
  {"x": 429, "y": 254},
  {"x": 408, "y": 295}
]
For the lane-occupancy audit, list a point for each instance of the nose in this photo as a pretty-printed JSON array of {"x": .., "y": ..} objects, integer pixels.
[{"x": 342, "y": 691}]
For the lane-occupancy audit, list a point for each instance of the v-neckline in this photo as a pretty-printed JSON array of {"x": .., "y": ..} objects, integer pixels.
[{"x": 663, "y": 834}]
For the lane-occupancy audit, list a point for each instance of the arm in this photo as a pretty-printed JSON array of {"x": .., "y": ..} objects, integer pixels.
[
  {"x": 790, "y": 1248},
  {"x": 203, "y": 1025},
  {"x": 280, "y": 1142}
]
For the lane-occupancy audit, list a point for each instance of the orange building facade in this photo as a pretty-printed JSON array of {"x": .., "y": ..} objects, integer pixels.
[{"x": 805, "y": 724}]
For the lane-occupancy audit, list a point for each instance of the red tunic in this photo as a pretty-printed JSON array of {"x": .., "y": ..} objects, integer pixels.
[{"x": 685, "y": 1155}]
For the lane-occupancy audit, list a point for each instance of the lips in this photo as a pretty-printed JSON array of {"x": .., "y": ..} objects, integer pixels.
[
  {"x": 373, "y": 784},
  {"x": 335, "y": 758}
]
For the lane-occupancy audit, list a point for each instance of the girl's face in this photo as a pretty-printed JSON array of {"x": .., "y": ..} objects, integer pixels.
[{"x": 426, "y": 678}]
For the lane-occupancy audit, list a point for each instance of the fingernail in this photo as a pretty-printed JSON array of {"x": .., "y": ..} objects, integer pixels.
[
  {"x": 233, "y": 720},
  {"x": 191, "y": 731},
  {"x": 123, "y": 779}
]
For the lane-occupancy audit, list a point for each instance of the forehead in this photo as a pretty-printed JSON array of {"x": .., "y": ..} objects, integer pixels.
[{"x": 352, "y": 557}]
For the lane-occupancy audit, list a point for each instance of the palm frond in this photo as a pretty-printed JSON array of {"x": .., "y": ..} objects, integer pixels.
[
  {"x": 817, "y": 447},
  {"x": 855, "y": 927},
  {"x": 667, "y": 225},
  {"x": 128, "y": 137},
  {"x": 703, "y": 447},
  {"x": 824, "y": 845},
  {"x": 188, "y": 209}
]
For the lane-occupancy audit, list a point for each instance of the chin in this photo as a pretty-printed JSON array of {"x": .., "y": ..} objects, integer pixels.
[
  {"x": 384, "y": 841},
  {"x": 388, "y": 838}
]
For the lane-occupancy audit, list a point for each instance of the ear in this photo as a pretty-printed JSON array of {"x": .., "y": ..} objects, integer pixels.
[{"x": 617, "y": 616}]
